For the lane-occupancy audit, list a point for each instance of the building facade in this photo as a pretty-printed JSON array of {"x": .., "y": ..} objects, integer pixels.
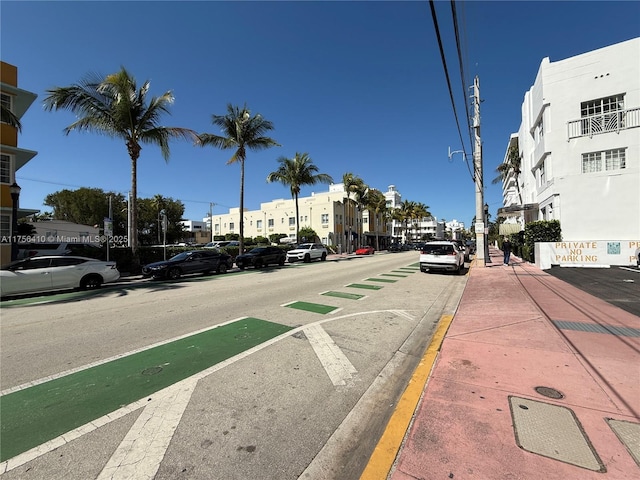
[
  {"x": 335, "y": 218},
  {"x": 579, "y": 146},
  {"x": 12, "y": 158}
]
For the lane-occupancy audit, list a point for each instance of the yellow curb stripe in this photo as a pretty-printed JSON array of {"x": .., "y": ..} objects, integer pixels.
[{"x": 387, "y": 449}]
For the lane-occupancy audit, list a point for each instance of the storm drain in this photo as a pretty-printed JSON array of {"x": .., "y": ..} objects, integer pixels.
[
  {"x": 629, "y": 434},
  {"x": 593, "y": 327},
  {"x": 554, "y": 432}
]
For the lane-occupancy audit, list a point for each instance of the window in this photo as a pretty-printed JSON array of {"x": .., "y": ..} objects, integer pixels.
[
  {"x": 231, "y": 226},
  {"x": 5, "y": 168},
  {"x": 5, "y": 227},
  {"x": 271, "y": 222},
  {"x": 258, "y": 223},
  {"x": 324, "y": 218},
  {"x": 542, "y": 176},
  {"x": 602, "y": 115},
  {"x": 591, "y": 162},
  {"x": 613, "y": 160},
  {"x": 292, "y": 221}
]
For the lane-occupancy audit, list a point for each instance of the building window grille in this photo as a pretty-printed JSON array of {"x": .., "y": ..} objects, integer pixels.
[{"x": 5, "y": 168}]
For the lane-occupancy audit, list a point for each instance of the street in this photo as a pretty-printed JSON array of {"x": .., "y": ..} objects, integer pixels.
[{"x": 281, "y": 373}]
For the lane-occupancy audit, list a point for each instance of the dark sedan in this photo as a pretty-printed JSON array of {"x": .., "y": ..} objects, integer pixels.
[
  {"x": 259, "y": 257},
  {"x": 193, "y": 261}
]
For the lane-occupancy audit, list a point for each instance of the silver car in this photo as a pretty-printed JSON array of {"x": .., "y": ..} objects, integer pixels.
[{"x": 48, "y": 273}]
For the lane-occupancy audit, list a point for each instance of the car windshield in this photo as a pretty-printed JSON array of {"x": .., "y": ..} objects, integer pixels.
[
  {"x": 437, "y": 249},
  {"x": 258, "y": 250},
  {"x": 181, "y": 256},
  {"x": 305, "y": 246}
]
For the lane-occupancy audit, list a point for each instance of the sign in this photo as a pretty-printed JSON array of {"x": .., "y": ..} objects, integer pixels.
[{"x": 590, "y": 253}]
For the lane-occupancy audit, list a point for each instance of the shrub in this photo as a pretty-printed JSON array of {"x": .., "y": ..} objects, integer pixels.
[{"x": 540, "y": 231}]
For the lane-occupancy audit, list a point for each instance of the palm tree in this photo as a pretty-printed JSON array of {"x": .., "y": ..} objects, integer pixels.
[
  {"x": 116, "y": 107},
  {"x": 406, "y": 215},
  {"x": 9, "y": 117},
  {"x": 377, "y": 204},
  {"x": 362, "y": 196},
  {"x": 350, "y": 183},
  {"x": 240, "y": 132},
  {"x": 297, "y": 172},
  {"x": 158, "y": 202},
  {"x": 511, "y": 165}
]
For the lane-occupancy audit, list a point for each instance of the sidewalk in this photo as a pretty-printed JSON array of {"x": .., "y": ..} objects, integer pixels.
[{"x": 516, "y": 330}]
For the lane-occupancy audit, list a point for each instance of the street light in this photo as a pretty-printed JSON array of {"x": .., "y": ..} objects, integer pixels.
[
  {"x": 15, "y": 197},
  {"x": 487, "y": 258}
]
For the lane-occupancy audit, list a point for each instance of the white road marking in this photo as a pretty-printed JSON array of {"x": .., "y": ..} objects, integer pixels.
[
  {"x": 142, "y": 450},
  {"x": 335, "y": 363},
  {"x": 60, "y": 441}
]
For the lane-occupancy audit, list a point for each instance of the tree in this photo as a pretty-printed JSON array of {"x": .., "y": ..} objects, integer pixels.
[
  {"x": 377, "y": 204},
  {"x": 511, "y": 165},
  {"x": 351, "y": 183},
  {"x": 240, "y": 132},
  {"x": 148, "y": 225},
  {"x": 297, "y": 172},
  {"x": 116, "y": 107},
  {"x": 88, "y": 206}
]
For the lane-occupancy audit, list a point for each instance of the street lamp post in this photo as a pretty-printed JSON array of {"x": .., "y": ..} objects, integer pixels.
[
  {"x": 487, "y": 258},
  {"x": 15, "y": 197}
]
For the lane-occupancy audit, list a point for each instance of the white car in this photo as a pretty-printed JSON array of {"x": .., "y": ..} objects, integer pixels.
[
  {"x": 441, "y": 256},
  {"x": 306, "y": 252},
  {"x": 47, "y": 273}
]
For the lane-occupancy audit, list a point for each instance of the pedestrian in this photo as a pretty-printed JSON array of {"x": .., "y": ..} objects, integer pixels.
[{"x": 506, "y": 248}]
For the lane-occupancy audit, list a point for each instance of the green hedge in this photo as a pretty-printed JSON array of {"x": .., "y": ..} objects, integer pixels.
[{"x": 540, "y": 231}]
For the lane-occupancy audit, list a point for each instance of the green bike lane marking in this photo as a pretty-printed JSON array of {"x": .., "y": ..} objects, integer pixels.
[
  {"x": 312, "y": 307},
  {"x": 364, "y": 286},
  {"x": 383, "y": 280},
  {"x": 351, "y": 296},
  {"x": 393, "y": 275},
  {"x": 37, "y": 414}
]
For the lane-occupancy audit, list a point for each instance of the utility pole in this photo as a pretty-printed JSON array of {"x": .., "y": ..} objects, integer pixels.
[{"x": 477, "y": 170}]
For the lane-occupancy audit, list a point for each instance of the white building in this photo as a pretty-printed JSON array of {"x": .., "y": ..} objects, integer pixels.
[
  {"x": 426, "y": 227},
  {"x": 330, "y": 214},
  {"x": 579, "y": 144},
  {"x": 455, "y": 229}
]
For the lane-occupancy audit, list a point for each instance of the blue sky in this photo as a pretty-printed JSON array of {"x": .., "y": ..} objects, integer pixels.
[{"x": 358, "y": 85}]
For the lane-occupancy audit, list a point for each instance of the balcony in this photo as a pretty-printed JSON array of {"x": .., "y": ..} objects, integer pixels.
[{"x": 604, "y": 123}]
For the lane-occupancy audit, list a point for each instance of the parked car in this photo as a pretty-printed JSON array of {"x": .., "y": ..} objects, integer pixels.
[
  {"x": 259, "y": 257},
  {"x": 368, "y": 250},
  {"x": 56, "y": 272},
  {"x": 442, "y": 255},
  {"x": 306, "y": 252},
  {"x": 192, "y": 261}
]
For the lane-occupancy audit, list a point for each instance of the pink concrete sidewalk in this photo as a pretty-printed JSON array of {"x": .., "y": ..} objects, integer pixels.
[{"x": 516, "y": 329}]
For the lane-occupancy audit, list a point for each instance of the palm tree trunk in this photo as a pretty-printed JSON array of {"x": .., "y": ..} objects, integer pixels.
[
  {"x": 297, "y": 217},
  {"x": 241, "y": 249},
  {"x": 134, "y": 204}
]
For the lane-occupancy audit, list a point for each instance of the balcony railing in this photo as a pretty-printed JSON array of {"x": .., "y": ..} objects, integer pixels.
[{"x": 604, "y": 123}]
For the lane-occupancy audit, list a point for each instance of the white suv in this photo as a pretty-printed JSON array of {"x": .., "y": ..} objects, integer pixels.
[
  {"x": 306, "y": 252},
  {"x": 441, "y": 256}
]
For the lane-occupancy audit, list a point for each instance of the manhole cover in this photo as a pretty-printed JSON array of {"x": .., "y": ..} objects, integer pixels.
[
  {"x": 151, "y": 370},
  {"x": 549, "y": 392}
]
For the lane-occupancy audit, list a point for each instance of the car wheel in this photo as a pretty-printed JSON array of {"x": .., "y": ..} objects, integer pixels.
[
  {"x": 323, "y": 257},
  {"x": 307, "y": 258},
  {"x": 241, "y": 267},
  {"x": 90, "y": 282},
  {"x": 222, "y": 268},
  {"x": 259, "y": 264},
  {"x": 281, "y": 262},
  {"x": 173, "y": 274}
]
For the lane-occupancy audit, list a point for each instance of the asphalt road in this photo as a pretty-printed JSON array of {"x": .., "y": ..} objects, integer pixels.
[
  {"x": 307, "y": 403},
  {"x": 619, "y": 286}
]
